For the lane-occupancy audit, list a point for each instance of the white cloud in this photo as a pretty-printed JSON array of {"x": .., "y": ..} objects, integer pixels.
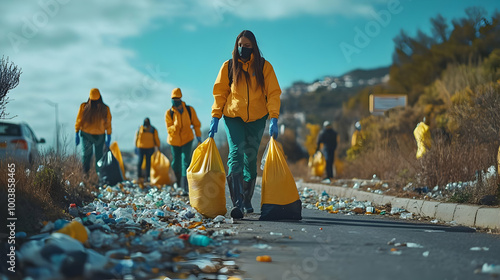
[
  {"x": 66, "y": 48},
  {"x": 264, "y": 9}
]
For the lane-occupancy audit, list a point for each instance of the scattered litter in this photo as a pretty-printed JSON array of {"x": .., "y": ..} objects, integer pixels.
[
  {"x": 131, "y": 230},
  {"x": 262, "y": 246},
  {"x": 434, "y": 230},
  {"x": 264, "y": 258},
  {"x": 395, "y": 251},
  {"x": 479, "y": 249},
  {"x": 406, "y": 216},
  {"x": 490, "y": 268},
  {"x": 413, "y": 245}
]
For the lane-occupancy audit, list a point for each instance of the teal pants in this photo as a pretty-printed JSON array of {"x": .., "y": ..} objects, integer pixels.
[
  {"x": 181, "y": 158},
  {"x": 244, "y": 141},
  {"x": 91, "y": 144}
]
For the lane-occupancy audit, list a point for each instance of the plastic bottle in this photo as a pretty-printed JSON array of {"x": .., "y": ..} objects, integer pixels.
[
  {"x": 72, "y": 210},
  {"x": 199, "y": 240}
]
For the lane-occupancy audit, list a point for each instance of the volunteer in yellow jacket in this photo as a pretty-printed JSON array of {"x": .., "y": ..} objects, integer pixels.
[
  {"x": 247, "y": 93},
  {"x": 422, "y": 135},
  {"x": 92, "y": 123},
  {"x": 181, "y": 119},
  {"x": 146, "y": 140}
]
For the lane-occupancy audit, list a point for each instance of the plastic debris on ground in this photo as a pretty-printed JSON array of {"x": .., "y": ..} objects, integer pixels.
[
  {"x": 349, "y": 206},
  {"x": 132, "y": 232}
]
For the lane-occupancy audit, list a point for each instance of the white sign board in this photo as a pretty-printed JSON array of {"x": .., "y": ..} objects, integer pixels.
[{"x": 379, "y": 103}]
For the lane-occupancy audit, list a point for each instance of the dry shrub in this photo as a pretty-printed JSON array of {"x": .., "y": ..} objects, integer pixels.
[
  {"x": 457, "y": 162},
  {"x": 45, "y": 189},
  {"x": 391, "y": 159}
]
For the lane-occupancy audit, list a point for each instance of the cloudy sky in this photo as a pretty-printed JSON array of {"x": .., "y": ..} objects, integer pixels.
[{"x": 136, "y": 52}]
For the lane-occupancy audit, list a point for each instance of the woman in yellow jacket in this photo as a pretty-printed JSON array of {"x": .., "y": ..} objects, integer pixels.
[
  {"x": 92, "y": 123},
  {"x": 247, "y": 93},
  {"x": 181, "y": 119},
  {"x": 146, "y": 140}
]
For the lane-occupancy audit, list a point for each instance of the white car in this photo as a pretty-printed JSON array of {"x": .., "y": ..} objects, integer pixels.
[{"x": 18, "y": 142}]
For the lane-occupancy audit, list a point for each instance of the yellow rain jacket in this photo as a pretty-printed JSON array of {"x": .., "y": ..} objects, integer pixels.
[
  {"x": 179, "y": 126},
  {"x": 147, "y": 138},
  {"x": 357, "y": 139},
  {"x": 101, "y": 127},
  {"x": 245, "y": 99},
  {"x": 423, "y": 137}
]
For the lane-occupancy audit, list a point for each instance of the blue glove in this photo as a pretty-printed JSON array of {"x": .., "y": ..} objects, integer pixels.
[
  {"x": 108, "y": 140},
  {"x": 136, "y": 151},
  {"x": 273, "y": 128},
  {"x": 213, "y": 127},
  {"x": 199, "y": 139},
  {"x": 77, "y": 138}
]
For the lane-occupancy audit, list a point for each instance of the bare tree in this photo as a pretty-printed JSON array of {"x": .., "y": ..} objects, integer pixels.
[{"x": 9, "y": 79}]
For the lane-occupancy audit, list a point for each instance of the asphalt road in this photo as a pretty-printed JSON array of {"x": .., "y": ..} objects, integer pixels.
[{"x": 337, "y": 246}]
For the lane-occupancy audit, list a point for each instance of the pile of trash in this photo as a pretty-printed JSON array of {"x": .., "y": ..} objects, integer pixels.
[
  {"x": 129, "y": 232},
  {"x": 349, "y": 206}
]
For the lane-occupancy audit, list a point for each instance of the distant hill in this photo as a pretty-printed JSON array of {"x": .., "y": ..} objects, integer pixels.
[{"x": 324, "y": 97}]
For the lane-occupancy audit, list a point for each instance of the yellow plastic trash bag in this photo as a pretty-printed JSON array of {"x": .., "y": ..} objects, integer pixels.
[
  {"x": 207, "y": 180},
  {"x": 160, "y": 166},
  {"x": 118, "y": 155},
  {"x": 279, "y": 197},
  {"x": 423, "y": 137},
  {"x": 317, "y": 164}
]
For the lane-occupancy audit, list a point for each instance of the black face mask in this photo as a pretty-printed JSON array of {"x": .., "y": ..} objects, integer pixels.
[
  {"x": 245, "y": 52},
  {"x": 176, "y": 103}
]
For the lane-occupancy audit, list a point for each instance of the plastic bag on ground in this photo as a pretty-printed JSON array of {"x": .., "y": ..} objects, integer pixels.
[
  {"x": 118, "y": 155},
  {"x": 206, "y": 178},
  {"x": 280, "y": 198},
  {"x": 160, "y": 166},
  {"x": 108, "y": 169},
  {"x": 317, "y": 164}
]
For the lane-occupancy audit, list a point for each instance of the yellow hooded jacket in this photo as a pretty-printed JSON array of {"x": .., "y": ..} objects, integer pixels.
[
  {"x": 245, "y": 99},
  {"x": 423, "y": 137},
  {"x": 179, "y": 126},
  {"x": 357, "y": 139},
  {"x": 147, "y": 138},
  {"x": 98, "y": 128}
]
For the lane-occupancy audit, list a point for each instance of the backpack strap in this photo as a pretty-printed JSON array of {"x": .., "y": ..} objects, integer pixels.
[{"x": 188, "y": 109}]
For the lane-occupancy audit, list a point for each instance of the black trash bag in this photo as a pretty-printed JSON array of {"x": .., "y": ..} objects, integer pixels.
[
  {"x": 108, "y": 169},
  {"x": 273, "y": 212}
]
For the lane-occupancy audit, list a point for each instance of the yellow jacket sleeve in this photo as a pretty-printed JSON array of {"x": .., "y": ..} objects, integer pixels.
[
  {"x": 108, "y": 122},
  {"x": 170, "y": 123},
  {"x": 221, "y": 91},
  {"x": 78, "y": 123},
  {"x": 273, "y": 91},
  {"x": 136, "y": 141},
  {"x": 157, "y": 139},
  {"x": 195, "y": 122}
]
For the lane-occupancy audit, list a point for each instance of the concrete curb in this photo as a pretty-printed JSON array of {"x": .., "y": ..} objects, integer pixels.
[{"x": 465, "y": 215}]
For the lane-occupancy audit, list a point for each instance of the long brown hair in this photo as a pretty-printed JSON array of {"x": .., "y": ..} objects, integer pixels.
[
  {"x": 94, "y": 111},
  {"x": 257, "y": 60}
]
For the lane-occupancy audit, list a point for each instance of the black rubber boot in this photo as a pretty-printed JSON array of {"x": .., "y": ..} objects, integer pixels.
[
  {"x": 235, "y": 183},
  {"x": 178, "y": 179},
  {"x": 248, "y": 188},
  {"x": 184, "y": 185}
]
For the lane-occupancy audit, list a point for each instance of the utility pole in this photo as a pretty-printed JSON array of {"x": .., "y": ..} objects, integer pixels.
[{"x": 56, "y": 106}]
